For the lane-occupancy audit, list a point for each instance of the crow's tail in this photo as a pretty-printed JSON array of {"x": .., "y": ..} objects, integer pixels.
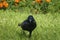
[{"x": 19, "y": 24}]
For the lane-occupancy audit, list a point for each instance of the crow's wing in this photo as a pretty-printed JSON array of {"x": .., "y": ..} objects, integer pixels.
[{"x": 25, "y": 25}]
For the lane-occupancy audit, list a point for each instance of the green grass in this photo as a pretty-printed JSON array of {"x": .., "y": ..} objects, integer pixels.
[{"x": 48, "y": 26}]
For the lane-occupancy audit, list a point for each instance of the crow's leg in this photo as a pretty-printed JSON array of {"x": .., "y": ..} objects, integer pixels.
[{"x": 30, "y": 34}]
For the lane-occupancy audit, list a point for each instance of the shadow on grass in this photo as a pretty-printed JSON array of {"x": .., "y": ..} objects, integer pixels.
[{"x": 23, "y": 35}]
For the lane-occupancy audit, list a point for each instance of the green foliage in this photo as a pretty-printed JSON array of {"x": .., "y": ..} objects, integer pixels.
[
  {"x": 53, "y": 6},
  {"x": 48, "y": 26}
]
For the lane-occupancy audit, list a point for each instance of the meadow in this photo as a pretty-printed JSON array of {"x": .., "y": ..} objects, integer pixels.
[
  {"x": 45, "y": 12},
  {"x": 48, "y": 26}
]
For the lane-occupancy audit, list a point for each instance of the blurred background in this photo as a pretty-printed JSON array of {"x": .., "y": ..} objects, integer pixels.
[{"x": 45, "y": 12}]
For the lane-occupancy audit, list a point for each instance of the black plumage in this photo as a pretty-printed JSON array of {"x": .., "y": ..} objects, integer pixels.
[{"x": 29, "y": 24}]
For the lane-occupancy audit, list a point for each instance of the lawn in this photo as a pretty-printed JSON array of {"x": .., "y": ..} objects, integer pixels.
[{"x": 48, "y": 26}]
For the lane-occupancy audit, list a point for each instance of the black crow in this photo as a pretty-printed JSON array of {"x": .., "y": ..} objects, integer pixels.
[{"x": 29, "y": 24}]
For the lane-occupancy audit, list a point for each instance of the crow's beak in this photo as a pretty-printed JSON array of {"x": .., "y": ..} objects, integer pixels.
[{"x": 30, "y": 20}]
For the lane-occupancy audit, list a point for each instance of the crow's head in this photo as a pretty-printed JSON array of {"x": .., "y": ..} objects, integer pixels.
[{"x": 30, "y": 18}]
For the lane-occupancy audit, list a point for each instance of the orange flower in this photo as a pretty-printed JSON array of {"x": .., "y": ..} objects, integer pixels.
[
  {"x": 38, "y": 1},
  {"x": 17, "y": 1},
  {"x": 48, "y": 1},
  {"x": 1, "y": 5},
  {"x": 5, "y": 4}
]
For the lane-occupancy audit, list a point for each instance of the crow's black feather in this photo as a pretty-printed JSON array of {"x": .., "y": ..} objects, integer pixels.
[{"x": 29, "y": 24}]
